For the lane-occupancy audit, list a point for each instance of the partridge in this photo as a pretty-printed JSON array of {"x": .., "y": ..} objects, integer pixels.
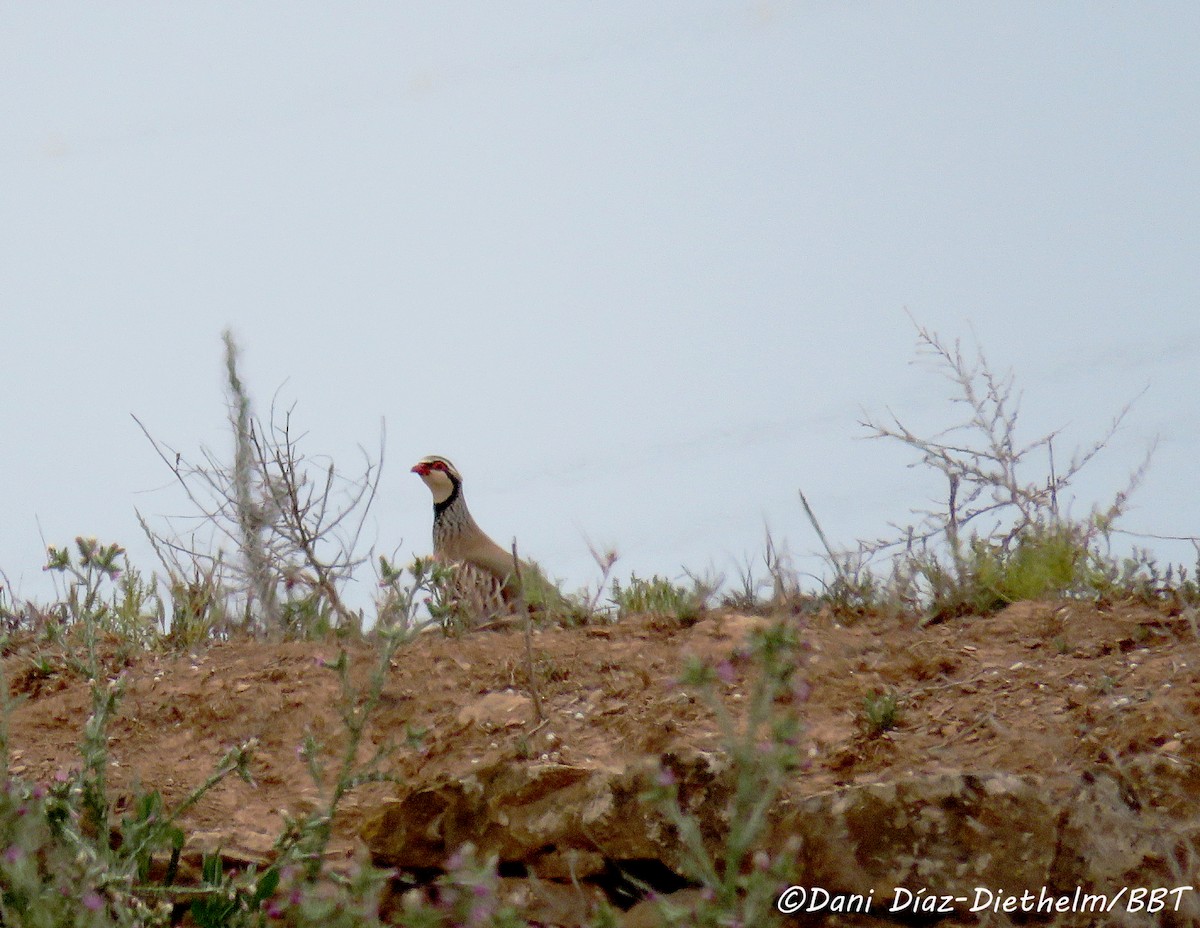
[{"x": 457, "y": 537}]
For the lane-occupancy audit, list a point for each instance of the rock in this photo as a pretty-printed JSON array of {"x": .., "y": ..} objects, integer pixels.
[
  {"x": 551, "y": 816},
  {"x": 540, "y": 902},
  {"x": 951, "y": 831},
  {"x": 954, "y": 831},
  {"x": 719, "y": 636},
  {"x": 649, "y": 913},
  {"x": 1106, "y": 840},
  {"x": 543, "y": 902},
  {"x": 567, "y": 864},
  {"x": 507, "y": 709},
  {"x": 246, "y": 849}
]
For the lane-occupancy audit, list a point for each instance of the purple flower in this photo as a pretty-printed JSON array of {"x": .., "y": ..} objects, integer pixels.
[
  {"x": 39, "y": 791},
  {"x": 91, "y": 901},
  {"x": 12, "y": 855},
  {"x": 666, "y": 777},
  {"x": 725, "y": 672},
  {"x": 479, "y": 914}
]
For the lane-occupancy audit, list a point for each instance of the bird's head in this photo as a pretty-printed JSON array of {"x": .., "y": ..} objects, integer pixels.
[{"x": 439, "y": 475}]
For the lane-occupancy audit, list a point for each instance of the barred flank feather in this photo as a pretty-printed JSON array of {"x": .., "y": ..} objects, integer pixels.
[{"x": 457, "y": 537}]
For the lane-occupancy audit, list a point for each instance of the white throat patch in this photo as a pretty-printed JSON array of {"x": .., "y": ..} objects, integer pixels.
[{"x": 439, "y": 485}]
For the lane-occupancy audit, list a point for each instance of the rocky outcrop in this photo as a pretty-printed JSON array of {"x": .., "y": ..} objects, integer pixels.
[
  {"x": 558, "y": 820},
  {"x": 949, "y": 833}
]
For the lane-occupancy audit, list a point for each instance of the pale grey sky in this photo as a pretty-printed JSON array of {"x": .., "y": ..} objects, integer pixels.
[{"x": 636, "y": 268}]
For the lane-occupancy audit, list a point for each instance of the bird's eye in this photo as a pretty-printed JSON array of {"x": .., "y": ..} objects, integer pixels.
[{"x": 437, "y": 465}]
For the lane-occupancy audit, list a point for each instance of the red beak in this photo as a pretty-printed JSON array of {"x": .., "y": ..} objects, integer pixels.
[{"x": 421, "y": 469}]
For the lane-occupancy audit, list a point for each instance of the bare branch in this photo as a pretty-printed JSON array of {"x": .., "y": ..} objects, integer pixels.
[
  {"x": 296, "y": 524},
  {"x": 984, "y": 464}
]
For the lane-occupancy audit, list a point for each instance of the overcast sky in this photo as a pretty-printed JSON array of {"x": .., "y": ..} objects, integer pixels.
[{"x": 637, "y": 268}]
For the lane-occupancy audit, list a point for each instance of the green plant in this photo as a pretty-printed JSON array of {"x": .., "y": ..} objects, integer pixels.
[
  {"x": 130, "y": 616},
  {"x": 1044, "y": 559},
  {"x": 195, "y": 610},
  {"x": 219, "y": 904},
  {"x": 1001, "y": 534},
  {"x": 739, "y": 874},
  {"x": 68, "y": 859},
  {"x": 82, "y": 606},
  {"x": 880, "y": 713},
  {"x": 659, "y": 596},
  {"x": 305, "y": 839},
  {"x": 1138, "y": 576},
  {"x": 137, "y": 614},
  {"x": 43, "y": 881},
  {"x": 468, "y": 893},
  {"x": 68, "y": 856},
  {"x": 436, "y": 586},
  {"x": 460, "y": 601}
]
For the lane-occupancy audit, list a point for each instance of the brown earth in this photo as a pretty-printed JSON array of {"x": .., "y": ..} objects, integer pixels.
[{"x": 1047, "y": 691}]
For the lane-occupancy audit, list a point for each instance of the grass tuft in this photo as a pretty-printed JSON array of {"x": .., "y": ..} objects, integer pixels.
[{"x": 660, "y": 597}]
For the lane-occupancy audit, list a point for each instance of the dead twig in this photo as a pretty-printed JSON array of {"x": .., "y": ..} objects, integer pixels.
[
  {"x": 296, "y": 524},
  {"x": 523, "y": 608}
]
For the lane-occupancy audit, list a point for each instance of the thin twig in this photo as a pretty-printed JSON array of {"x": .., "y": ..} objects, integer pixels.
[
  {"x": 1121, "y": 531},
  {"x": 522, "y": 606},
  {"x": 294, "y": 520},
  {"x": 833, "y": 558}
]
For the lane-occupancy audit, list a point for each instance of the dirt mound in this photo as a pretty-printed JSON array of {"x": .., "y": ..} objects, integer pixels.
[{"x": 1052, "y": 692}]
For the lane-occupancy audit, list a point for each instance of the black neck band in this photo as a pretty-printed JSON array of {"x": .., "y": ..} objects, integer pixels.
[{"x": 439, "y": 508}]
